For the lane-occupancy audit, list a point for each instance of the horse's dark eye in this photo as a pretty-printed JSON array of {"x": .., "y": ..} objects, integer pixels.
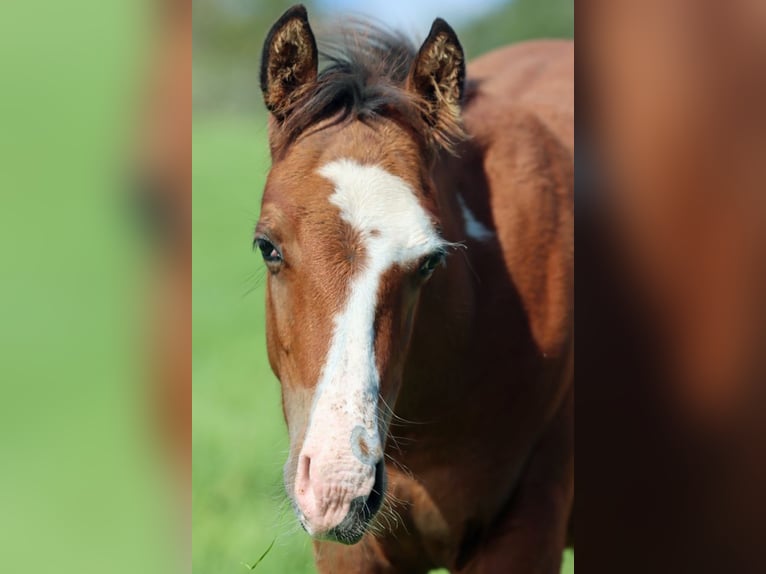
[
  {"x": 430, "y": 263},
  {"x": 270, "y": 253}
]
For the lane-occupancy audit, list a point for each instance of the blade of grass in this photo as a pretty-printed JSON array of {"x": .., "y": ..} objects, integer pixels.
[{"x": 262, "y": 556}]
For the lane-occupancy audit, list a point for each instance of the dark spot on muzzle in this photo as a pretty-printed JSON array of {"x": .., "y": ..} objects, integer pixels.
[{"x": 362, "y": 509}]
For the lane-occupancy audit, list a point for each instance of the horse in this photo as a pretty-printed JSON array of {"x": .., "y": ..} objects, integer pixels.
[{"x": 417, "y": 228}]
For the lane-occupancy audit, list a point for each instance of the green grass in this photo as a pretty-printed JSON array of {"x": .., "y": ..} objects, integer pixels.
[{"x": 239, "y": 437}]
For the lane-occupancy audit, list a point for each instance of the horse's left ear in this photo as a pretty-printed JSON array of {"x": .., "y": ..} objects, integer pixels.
[
  {"x": 289, "y": 61},
  {"x": 437, "y": 76}
]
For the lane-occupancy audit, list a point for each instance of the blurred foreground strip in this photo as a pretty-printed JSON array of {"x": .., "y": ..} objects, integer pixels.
[
  {"x": 672, "y": 210},
  {"x": 85, "y": 484}
]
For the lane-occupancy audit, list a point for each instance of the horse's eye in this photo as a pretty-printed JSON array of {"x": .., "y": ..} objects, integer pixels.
[
  {"x": 430, "y": 263},
  {"x": 271, "y": 254}
]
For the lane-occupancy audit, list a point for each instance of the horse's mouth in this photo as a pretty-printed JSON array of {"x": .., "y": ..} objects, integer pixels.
[
  {"x": 361, "y": 512},
  {"x": 375, "y": 500}
]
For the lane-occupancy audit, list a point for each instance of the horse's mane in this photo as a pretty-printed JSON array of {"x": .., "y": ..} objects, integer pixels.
[{"x": 363, "y": 71}]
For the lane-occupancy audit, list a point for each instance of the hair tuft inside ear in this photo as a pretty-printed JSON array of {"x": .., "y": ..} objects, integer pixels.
[
  {"x": 437, "y": 79},
  {"x": 289, "y": 61}
]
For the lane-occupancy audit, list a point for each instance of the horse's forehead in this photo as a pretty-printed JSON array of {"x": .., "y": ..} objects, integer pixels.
[
  {"x": 344, "y": 190},
  {"x": 382, "y": 207}
]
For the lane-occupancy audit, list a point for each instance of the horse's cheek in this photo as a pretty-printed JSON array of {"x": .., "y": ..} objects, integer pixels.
[{"x": 276, "y": 345}]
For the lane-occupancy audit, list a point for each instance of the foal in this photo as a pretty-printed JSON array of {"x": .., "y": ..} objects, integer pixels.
[{"x": 417, "y": 230}]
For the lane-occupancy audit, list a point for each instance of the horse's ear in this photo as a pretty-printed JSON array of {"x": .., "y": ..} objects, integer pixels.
[
  {"x": 289, "y": 61},
  {"x": 437, "y": 77}
]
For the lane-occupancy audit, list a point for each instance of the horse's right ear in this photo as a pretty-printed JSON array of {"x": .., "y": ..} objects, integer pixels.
[{"x": 289, "y": 61}]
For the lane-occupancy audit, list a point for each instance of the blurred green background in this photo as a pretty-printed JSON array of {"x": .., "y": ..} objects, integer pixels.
[
  {"x": 83, "y": 488},
  {"x": 239, "y": 437}
]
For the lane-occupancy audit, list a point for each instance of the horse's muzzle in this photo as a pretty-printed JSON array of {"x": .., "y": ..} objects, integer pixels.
[{"x": 352, "y": 526}]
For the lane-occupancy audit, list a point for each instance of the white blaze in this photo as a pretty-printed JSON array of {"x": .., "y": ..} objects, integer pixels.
[
  {"x": 394, "y": 229},
  {"x": 473, "y": 227}
]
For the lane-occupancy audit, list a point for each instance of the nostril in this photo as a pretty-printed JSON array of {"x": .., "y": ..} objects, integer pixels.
[
  {"x": 363, "y": 445},
  {"x": 303, "y": 480}
]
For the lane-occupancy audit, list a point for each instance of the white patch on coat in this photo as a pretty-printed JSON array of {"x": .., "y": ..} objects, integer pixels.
[
  {"x": 474, "y": 228},
  {"x": 394, "y": 229}
]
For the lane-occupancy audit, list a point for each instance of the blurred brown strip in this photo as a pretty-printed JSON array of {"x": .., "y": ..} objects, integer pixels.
[
  {"x": 164, "y": 196},
  {"x": 673, "y": 269}
]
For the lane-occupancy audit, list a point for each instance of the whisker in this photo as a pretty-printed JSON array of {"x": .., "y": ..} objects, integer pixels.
[
  {"x": 396, "y": 446},
  {"x": 470, "y": 267},
  {"x": 253, "y": 281},
  {"x": 399, "y": 466},
  {"x": 396, "y": 417},
  {"x": 454, "y": 245}
]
